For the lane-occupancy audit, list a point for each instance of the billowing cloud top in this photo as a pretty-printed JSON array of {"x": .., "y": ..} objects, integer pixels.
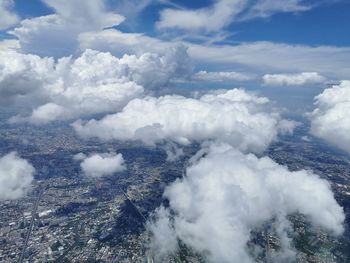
[
  {"x": 98, "y": 165},
  {"x": 331, "y": 120},
  {"x": 226, "y": 195},
  {"x": 233, "y": 116},
  {"x": 95, "y": 82},
  {"x": 16, "y": 176},
  {"x": 58, "y": 33}
]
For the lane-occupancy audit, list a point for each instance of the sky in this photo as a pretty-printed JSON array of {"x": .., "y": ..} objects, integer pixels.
[
  {"x": 249, "y": 37},
  {"x": 226, "y": 74},
  {"x": 323, "y": 24}
]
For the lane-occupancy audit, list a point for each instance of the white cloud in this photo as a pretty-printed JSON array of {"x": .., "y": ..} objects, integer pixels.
[
  {"x": 330, "y": 120},
  {"x": 16, "y": 176},
  {"x": 227, "y": 76},
  {"x": 56, "y": 34},
  {"x": 298, "y": 79},
  {"x": 93, "y": 83},
  {"x": 226, "y": 195},
  {"x": 7, "y": 17},
  {"x": 224, "y": 12},
  {"x": 233, "y": 116},
  {"x": 98, "y": 165},
  {"x": 79, "y": 157}
]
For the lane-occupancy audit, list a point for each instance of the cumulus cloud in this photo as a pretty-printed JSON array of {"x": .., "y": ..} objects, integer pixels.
[
  {"x": 93, "y": 83},
  {"x": 232, "y": 116},
  {"x": 330, "y": 120},
  {"x": 299, "y": 79},
  {"x": 7, "y": 17},
  {"x": 98, "y": 165},
  {"x": 226, "y": 195},
  {"x": 57, "y": 33},
  {"x": 16, "y": 176},
  {"x": 224, "y": 12},
  {"x": 228, "y": 76}
]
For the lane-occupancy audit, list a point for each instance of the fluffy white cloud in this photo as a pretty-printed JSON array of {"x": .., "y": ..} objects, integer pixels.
[
  {"x": 224, "y": 12},
  {"x": 98, "y": 165},
  {"x": 93, "y": 83},
  {"x": 7, "y": 17},
  {"x": 331, "y": 120},
  {"x": 299, "y": 79},
  {"x": 228, "y": 76},
  {"x": 232, "y": 116},
  {"x": 226, "y": 195},
  {"x": 16, "y": 176},
  {"x": 56, "y": 34}
]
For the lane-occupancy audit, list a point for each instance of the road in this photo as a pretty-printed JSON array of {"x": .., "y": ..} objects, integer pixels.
[{"x": 29, "y": 232}]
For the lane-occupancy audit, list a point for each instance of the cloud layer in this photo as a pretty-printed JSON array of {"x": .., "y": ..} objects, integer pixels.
[
  {"x": 16, "y": 176},
  {"x": 226, "y": 195},
  {"x": 233, "y": 116},
  {"x": 225, "y": 76},
  {"x": 330, "y": 120},
  {"x": 98, "y": 165},
  {"x": 299, "y": 79}
]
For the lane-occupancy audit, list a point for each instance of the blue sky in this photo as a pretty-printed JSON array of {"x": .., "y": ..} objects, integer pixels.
[{"x": 325, "y": 24}]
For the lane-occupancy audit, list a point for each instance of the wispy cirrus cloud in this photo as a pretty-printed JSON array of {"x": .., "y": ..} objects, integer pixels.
[{"x": 224, "y": 12}]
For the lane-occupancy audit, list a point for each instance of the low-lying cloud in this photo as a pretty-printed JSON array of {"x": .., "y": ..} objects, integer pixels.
[
  {"x": 16, "y": 176},
  {"x": 99, "y": 165},
  {"x": 226, "y": 195}
]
